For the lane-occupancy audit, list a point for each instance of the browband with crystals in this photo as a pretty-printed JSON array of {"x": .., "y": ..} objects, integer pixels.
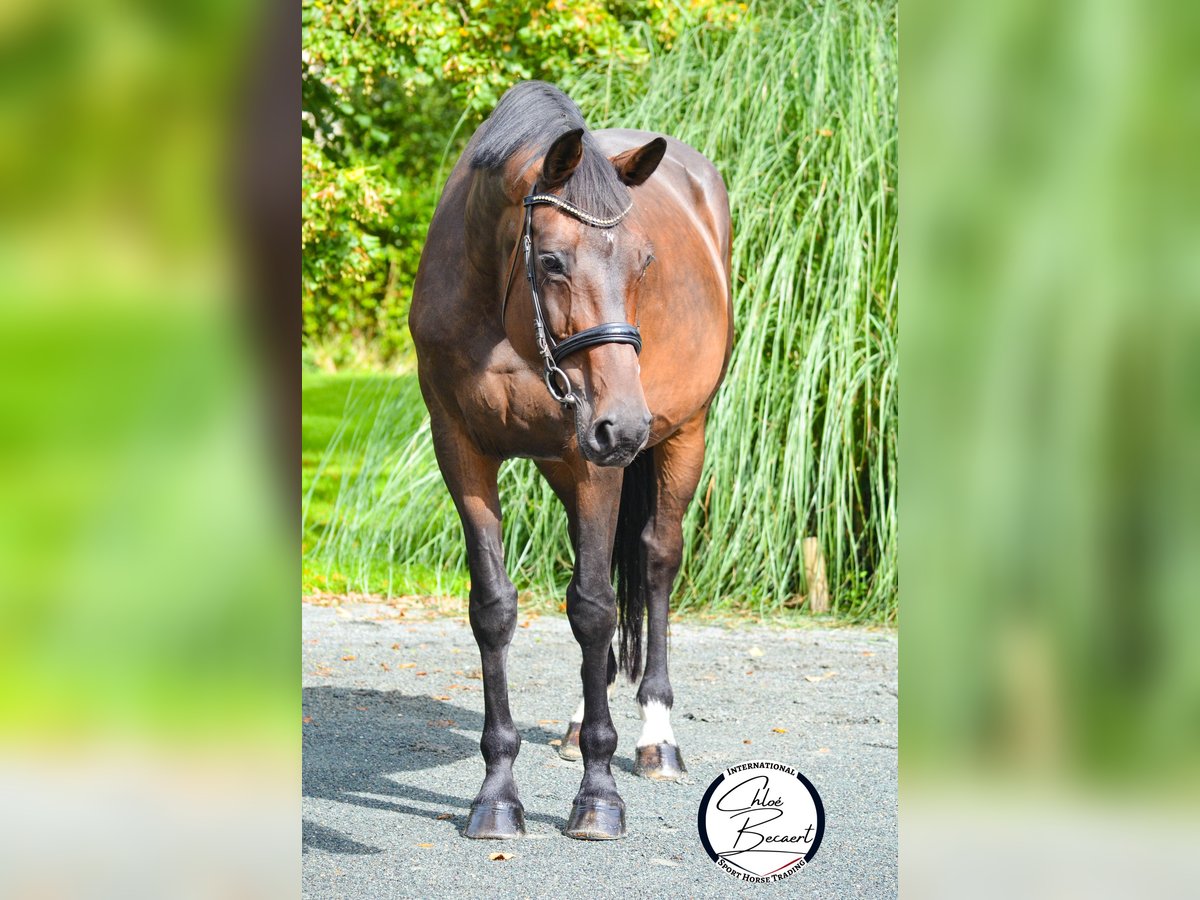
[{"x": 574, "y": 210}]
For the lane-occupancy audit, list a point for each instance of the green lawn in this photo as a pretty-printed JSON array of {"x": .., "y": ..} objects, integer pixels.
[
  {"x": 355, "y": 428},
  {"x": 335, "y": 409},
  {"x": 326, "y": 412}
]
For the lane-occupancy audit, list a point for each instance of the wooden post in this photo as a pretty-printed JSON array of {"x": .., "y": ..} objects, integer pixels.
[{"x": 814, "y": 574}]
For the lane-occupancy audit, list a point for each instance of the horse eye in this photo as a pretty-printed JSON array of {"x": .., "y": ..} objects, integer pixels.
[{"x": 552, "y": 264}]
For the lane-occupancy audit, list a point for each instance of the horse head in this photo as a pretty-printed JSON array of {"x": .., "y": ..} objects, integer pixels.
[{"x": 587, "y": 272}]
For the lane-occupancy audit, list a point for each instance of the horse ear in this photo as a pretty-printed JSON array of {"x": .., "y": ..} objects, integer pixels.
[
  {"x": 562, "y": 158},
  {"x": 636, "y": 165}
]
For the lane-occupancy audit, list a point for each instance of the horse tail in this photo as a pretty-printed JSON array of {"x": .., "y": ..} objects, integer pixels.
[{"x": 629, "y": 558}]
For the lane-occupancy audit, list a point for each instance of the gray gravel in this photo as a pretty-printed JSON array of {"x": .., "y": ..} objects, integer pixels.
[{"x": 386, "y": 758}]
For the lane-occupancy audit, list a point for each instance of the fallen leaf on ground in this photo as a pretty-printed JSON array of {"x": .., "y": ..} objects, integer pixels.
[
  {"x": 424, "y": 845},
  {"x": 308, "y": 720},
  {"x": 421, "y": 674},
  {"x": 361, "y": 708},
  {"x": 348, "y": 657},
  {"x": 556, "y": 742},
  {"x": 440, "y": 697},
  {"x": 825, "y": 132},
  {"x": 755, "y": 652},
  {"x": 385, "y": 667},
  {"x": 499, "y": 856},
  {"x": 323, "y": 670},
  {"x": 665, "y": 862},
  {"x": 444, "y": 816},
  {"x": 815, "y": 678},
  {"x": 548, "y": 721},
  {"x": 475, "y": 674},
  {"x": 868, "y": 653},
  {"x": 823, "y": 750},
  {"x": 408, "y": 665},
  {"x": 395, "y": 646},
  {"x": 779, "y": 730},
  {"x": 747, "y": 741},
  {"x": 442, "y": 723}
]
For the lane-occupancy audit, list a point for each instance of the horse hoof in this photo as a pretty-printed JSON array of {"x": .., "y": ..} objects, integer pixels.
[
  {"x": 659, "y": 762},
  {"x": 569, "y": 748},
  {"x": 597, "y": 820},
  {"x": 495, "y": 821}
]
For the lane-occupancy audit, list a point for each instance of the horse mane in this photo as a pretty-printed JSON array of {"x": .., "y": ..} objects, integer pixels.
[{"x": 532, "y": 115}]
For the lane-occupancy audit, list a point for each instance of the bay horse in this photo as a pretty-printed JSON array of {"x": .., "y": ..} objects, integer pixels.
[{"x": 600, "y": 364}]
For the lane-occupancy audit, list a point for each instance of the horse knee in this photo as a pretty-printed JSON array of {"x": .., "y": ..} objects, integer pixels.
[
  {"x": 493, "y": 613},
  {"x": 592, "y": 614}
]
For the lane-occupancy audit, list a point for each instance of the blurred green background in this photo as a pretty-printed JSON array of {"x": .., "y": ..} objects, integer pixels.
[
  {"x": 1051, "y": 421},
  {"x": 140, "y": 537},
  {"x": 149, "y": 692},
  {"x": 795, "y": 104},
  {"x": 1050, "y": 674}
]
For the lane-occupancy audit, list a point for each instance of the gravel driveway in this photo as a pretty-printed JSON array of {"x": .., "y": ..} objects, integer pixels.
[{"x": 393, "y": 710}]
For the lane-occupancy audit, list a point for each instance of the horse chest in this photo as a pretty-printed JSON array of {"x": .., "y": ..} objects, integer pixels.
[{"x": 507, "y": 415}]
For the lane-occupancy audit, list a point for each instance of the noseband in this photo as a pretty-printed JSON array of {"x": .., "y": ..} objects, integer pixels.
[{"x": 551, "y": 351}]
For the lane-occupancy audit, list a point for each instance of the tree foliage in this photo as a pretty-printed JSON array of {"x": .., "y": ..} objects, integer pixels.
[{"x": 392, "y": 89}]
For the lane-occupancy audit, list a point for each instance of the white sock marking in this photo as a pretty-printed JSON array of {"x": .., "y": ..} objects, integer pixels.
[
  {"x": 656, "y": 727},
  {"x": 578, "y": 717}
]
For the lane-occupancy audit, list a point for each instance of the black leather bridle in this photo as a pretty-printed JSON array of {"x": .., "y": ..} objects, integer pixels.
[{"x": 554, "y": 352}]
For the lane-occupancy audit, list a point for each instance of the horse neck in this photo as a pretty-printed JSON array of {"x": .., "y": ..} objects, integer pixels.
[{"x": 488, "y": 246}]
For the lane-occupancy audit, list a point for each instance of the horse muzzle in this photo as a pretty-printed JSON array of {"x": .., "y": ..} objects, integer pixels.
[{"x": 614, "y": 440}]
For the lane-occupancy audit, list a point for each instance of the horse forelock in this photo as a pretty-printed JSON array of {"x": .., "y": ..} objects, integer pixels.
[{"x": 529, "y": 118}]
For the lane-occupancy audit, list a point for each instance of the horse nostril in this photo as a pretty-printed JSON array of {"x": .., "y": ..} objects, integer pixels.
[{"x": 604, "y": 435}]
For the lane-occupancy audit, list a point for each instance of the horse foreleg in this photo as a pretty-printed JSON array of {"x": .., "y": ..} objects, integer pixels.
[
  {"x": 471, "y": 477},
  {"x": 678, "y": 461},
  {"x": 563, "y": 479},
  {"x": 598, "y": 813}
]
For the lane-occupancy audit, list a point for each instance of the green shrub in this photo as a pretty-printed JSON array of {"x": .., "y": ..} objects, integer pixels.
[{"x": 391, "y": 92}]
